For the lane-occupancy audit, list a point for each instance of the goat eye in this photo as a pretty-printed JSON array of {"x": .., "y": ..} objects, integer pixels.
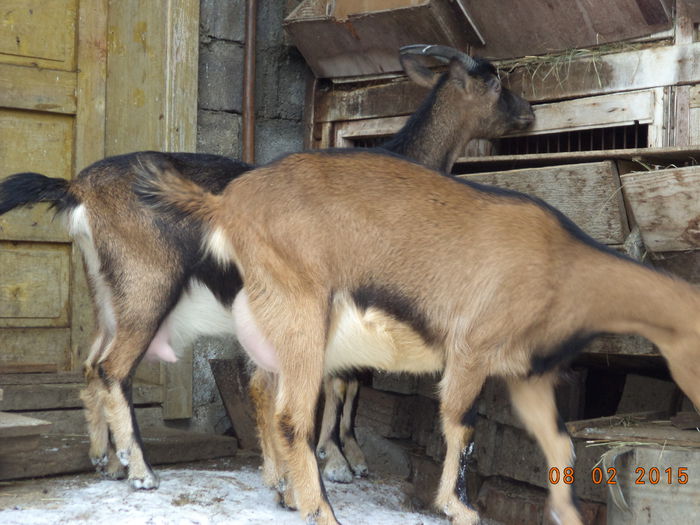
[{"x": 494, "y": 84}]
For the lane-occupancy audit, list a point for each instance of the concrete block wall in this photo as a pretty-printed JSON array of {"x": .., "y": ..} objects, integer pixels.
[{"x": 280, "y": 83}]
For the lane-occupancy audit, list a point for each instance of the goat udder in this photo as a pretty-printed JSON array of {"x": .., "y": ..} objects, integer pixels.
[{"x": 160, "y": 349}]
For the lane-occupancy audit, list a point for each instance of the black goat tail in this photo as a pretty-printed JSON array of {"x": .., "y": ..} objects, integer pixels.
[{"x": 22, "y": 189}]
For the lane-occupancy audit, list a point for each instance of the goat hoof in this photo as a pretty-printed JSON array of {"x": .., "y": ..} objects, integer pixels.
[
  {"x": 148, "y": 482},
  {"x": 284, "y": 501},
  {"x": 338, "y": 472},
  {"x": 99, "y": 462},
  {"x": 361, "y": 470},
  {"x": 123, "y": 456}
]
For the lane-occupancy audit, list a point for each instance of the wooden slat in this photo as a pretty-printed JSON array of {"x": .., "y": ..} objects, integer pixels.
[
  {"x": 621, "y": 345},
  {"x": 52, "y": 396},
  {"x": 27, "y": 368},
  {"x": 655, "y": 156},
  {"x": 400, "y": 97},
  {"x": 37, "y": 89},
  {"x": 664, "y": 435},
  {"x": 587, "y": 193},
  {"x": 594, "y": 112},
  {"x": 65, "y": 454},
  {"x": 177, "y": 403},
  {"x": 35, "y": 345},
  {"x": 576, "y": 427},
  {"x": 181, "y": 75},
  {"x": 15, "y": 425},
  {"x": 666, "y": 205},
  {"x": 41, "y": 378}
]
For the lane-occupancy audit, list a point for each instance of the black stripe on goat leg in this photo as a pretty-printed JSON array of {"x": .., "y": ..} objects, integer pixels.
[
  {"x": 351, "y": 449},
  {"x": 534, "y": 402}
]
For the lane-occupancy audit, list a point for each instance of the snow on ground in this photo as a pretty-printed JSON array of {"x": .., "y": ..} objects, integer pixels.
[{"x": 219, "y": 493}]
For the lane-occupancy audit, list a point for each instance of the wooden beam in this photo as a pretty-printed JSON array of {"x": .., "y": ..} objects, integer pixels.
[
  {"x": 654, "y": 156},
  {"x": 599, "y": 74},
  {"x": 51, "y": 396},
  {"x": 63, "y": 454}
]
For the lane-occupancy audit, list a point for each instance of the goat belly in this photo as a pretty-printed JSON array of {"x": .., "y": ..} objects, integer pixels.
[
  {"x": 373, "y": 338},
  {"x": 251, "y": 338}
]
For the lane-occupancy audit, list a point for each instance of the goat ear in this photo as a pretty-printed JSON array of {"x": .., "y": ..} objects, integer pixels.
[
  {"x": 420, "y": 74},
  {"x": 459, "y": 73}
]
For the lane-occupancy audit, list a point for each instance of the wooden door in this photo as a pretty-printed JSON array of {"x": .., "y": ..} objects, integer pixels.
[
  {"x": 52, "y": 74},
  {"x": 73, "y": 89}
]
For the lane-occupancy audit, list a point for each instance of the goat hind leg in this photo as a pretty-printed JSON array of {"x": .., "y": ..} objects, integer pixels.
[
  {"x": 533, "y": 400},
  {"x": 329, "y": 442},
  {"x": 116, "y": 371},
  {"x": 102, "y": 453},
  {"x": 351, "y": 449},
  {"x": 263, "y": 388}
]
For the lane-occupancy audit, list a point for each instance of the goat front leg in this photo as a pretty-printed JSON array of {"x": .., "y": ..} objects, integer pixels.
[
  {"x": 351, "y": 449},
  {"x": 459, "y": 389},
  {"x": 329, "y": 441},
  {"x": 534, "y": 402}
]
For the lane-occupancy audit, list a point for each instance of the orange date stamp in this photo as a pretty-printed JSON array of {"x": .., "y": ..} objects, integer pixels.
[{"x": 643, "y": 475}]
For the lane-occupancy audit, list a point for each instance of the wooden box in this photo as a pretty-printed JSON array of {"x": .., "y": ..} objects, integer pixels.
[{"x": 345, "y": 38}]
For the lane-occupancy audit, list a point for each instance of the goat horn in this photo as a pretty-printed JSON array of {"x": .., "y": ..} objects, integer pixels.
[{"x": 442, "y": 53}]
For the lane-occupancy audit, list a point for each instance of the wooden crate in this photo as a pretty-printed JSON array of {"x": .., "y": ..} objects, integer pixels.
[
  {"x": 587, "y": 193},
  {"x": 355, "y": 37},
  {"x": 666, "y": 206}
]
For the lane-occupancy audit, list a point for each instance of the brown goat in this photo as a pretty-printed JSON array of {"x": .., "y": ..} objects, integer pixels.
[
  {"x": 357, "y": 259},
  {"x": 460, "y": 107}
]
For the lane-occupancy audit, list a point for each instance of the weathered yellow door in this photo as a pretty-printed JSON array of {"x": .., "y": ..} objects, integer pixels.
[
  {"x": 52, "y": 74},
  {"x": 72, "y": 90}
]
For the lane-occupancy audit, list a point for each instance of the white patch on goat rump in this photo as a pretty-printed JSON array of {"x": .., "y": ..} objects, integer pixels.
[
  {"x": 78, "y": 225},
  {"x": 219, "y": 246}
]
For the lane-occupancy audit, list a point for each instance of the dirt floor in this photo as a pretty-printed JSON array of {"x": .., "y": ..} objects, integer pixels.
[{"x": 206, "y": 493}]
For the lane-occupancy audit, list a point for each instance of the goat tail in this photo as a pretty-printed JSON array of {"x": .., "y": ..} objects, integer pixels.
[
  {"x": 162, "y": 188},
  {"x": 22, "y": 189}
]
